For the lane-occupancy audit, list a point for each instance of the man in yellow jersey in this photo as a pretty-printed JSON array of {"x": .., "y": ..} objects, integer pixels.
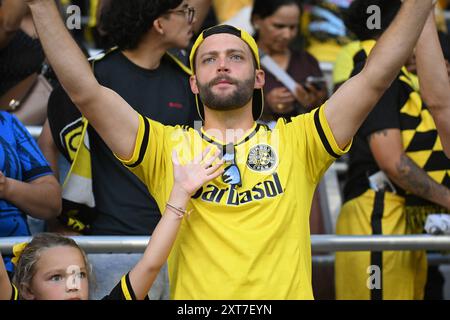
[{"x": 248, "y": 234}]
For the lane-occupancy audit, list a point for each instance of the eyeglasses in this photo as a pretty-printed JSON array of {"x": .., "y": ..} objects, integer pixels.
[
  {"x": 189, "y": 13},
  {"x": 231, "y": 174}
]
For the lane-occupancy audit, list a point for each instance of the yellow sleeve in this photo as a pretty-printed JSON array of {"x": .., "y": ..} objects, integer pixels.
[{"x": 317, "y": 148}]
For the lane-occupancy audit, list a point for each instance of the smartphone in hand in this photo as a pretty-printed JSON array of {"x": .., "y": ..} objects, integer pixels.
[{"x": 319, "y": 83}]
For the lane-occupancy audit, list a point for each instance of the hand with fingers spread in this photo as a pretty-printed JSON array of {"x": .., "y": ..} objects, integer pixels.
[{"x": 191, "y": 176}]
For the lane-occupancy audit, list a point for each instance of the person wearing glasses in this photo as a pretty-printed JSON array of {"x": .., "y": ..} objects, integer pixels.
[
  {"x": 157, "y": 85},
  {"x": 248, "y": 234}
]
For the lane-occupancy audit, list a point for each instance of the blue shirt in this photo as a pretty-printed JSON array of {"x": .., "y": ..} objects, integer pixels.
[{"x": 20, "y": 159}]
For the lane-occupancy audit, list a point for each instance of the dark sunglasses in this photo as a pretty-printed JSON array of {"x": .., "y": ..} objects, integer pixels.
[
  {"x": 189, "y": 13},
  {"x": 231, "y": 174}
]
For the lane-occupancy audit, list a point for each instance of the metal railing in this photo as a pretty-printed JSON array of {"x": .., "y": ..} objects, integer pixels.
[
  {"x": 320, "y": 243},
  {"x": 434, "y": 259}
]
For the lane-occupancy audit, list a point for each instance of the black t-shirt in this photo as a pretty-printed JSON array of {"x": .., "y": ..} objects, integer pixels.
[{"x": 123, "y": 203}]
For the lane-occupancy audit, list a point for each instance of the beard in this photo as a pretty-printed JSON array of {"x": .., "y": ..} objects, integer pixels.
[{"x": 240, "y": 96}]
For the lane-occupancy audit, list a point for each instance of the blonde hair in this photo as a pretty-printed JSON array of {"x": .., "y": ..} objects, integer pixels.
[{"x": 26, "y": 265}]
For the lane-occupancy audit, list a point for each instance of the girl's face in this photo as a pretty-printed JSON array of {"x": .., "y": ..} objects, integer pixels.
[
  {"x": 61, "y": 274},
  {"x": 277, "y": 31}
]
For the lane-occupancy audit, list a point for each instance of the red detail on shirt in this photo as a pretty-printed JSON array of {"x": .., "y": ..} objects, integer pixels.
[{"x": 175, "y": 105}]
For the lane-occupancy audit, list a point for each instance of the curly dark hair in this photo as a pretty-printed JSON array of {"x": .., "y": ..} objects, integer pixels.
[
  {"x": 126, "y": 21},
  {"x": 355, "y": 17}
]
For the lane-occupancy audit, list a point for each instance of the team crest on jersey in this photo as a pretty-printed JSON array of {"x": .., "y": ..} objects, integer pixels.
[{"x": 261, "y": 158}]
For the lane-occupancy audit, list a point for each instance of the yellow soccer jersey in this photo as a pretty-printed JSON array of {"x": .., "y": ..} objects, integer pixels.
[{"x": 248, "y": 242}]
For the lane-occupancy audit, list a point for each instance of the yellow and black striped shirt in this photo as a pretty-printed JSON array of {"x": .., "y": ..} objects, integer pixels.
[{"x": 401, "y": 107}]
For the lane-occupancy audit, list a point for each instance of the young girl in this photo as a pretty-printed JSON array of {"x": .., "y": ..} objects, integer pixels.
[{"x": 53, "y": 267}]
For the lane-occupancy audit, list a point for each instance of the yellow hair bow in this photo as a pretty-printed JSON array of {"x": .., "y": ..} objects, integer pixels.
[{"x": 17, "y": 252}]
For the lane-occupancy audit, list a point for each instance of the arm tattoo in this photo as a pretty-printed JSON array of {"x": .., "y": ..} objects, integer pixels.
[{"x": 415, "y": 180}]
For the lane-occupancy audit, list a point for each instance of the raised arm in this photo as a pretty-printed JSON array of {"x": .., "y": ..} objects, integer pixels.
[
  {"x": 352, "y": 102},
  {"x": 434, "y": 80},
  {"x": 110, "y": 115},
  {"x": 188, "y": 179},
  {"x": 11, "y": 15}
]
